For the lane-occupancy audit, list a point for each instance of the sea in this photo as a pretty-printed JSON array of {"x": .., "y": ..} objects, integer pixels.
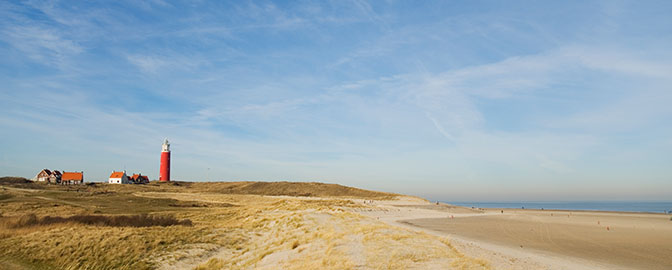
[{"x": 621, "y": 206}]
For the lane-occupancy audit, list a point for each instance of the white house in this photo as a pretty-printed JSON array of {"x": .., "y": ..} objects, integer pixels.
[{"x": 118, "y": 178}]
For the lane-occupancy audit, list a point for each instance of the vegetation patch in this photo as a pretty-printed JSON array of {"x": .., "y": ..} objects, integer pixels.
[
  {"x": 199, "y": 204},
  {"x": 236, "y": 225},
  {"x": 13, "y": 180},
  {"x": 141, "y": 220}
]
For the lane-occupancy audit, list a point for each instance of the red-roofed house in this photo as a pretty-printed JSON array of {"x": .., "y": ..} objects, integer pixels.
[
  {"x": 139, "y": 179},
  {"x": 72, "y": 178},
  {"x": 118, "y": 178},
  {"x": 143, "y": 179}
]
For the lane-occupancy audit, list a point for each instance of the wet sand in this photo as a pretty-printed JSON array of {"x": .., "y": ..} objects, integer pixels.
[{"x": 624, "y": 240}]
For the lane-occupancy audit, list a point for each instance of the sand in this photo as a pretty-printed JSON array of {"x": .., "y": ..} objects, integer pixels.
[
  {"x": 287, "y": 232},
  {"x": 244, "y": 231},
  {"x": 535, "y": 239}
]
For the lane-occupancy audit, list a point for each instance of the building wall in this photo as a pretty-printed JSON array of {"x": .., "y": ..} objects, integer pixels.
[
  {"x": 164, "y": 170},
  {"x": 122, "y": 180},
  {"x": 42, "y": 176},
  {"x": 53, "y": 179},
  {"x": 114, "y": 181}
]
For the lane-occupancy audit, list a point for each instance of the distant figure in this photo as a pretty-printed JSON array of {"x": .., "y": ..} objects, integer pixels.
[
  {"x": 437, "y": 202},
  {"x": 502, "y": 211},
  {"x": 542, "y": 209},
  {"x": 523, "y": 207}
]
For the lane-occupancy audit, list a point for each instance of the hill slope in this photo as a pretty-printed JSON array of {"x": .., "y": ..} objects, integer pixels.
[
  {"x": 310, "y": 189},
  {"x": 305, "y": 189}
]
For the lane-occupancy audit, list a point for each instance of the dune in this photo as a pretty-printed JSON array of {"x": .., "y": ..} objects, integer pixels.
[
  {"x": 286, "y": 225},
  {"x": 239, "y": 225}
]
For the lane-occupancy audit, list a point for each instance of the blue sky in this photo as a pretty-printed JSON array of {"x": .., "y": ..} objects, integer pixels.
[{"x": 450, "y": 100}]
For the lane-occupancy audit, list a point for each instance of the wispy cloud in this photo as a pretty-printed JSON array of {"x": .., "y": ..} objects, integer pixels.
[
  {"x": 149, "y": 64},
  {"x": 41, "y": 44}
]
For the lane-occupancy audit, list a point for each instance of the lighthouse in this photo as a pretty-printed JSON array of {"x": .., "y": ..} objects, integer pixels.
[{"x": 164, "y": 171}]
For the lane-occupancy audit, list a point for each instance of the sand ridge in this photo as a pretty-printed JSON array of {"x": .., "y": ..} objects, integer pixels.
[{"x": 287, "y": 235}]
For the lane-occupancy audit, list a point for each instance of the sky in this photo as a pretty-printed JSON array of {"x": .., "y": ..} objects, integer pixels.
[{"x": 448, "y": 100}]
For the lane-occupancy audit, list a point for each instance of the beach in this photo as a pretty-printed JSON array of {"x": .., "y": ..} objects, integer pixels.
[
  {"x": 546, "y": 239},
  {"x": 285, "y": 225}
]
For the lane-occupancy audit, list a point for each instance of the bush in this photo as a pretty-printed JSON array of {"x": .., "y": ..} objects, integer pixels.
[
  {"x": 141, "y": 220},
  {"x": 14, "y": 180}
]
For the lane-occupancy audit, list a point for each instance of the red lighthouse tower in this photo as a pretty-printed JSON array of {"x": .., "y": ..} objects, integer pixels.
[{"x": 164, "y": 171}]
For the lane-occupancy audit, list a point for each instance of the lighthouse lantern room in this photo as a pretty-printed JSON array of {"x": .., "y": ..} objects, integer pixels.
[{"x": 164, "y": 171}]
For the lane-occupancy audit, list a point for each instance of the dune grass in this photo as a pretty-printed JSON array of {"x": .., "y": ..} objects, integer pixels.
[
  {"x": 176, "y": 225},
  {"x": 303, "y": 189},
  {"x": 291, "y": 234},
  {"x": 86, "y": 247},
  {"x": 142, "y": 220}
]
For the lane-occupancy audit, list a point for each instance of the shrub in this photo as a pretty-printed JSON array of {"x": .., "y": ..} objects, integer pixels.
[
  {"x": 141, "y": 220},
  {"x": 14, "y": 180}
]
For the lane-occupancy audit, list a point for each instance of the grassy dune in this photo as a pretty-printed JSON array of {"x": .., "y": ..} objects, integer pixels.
[{"x": 207, "y": 226}]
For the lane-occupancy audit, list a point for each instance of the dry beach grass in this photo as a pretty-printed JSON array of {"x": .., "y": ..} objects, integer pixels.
[
  {"x": 305, "y": 226},
  {"x": 208, "y": 226}
]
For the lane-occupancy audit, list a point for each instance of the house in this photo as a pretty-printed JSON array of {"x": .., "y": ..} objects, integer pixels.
[
  {"x": 119, "y": 178},
  {"x": 140, "y": 179},
  {"x": 48, "y": 176},
  {"x": 72, "y": 178},
  {"x": 43, "y": 175}
]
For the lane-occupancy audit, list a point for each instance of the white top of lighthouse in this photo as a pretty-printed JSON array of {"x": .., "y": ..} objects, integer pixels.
[{"x": 166, "y": 146}]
